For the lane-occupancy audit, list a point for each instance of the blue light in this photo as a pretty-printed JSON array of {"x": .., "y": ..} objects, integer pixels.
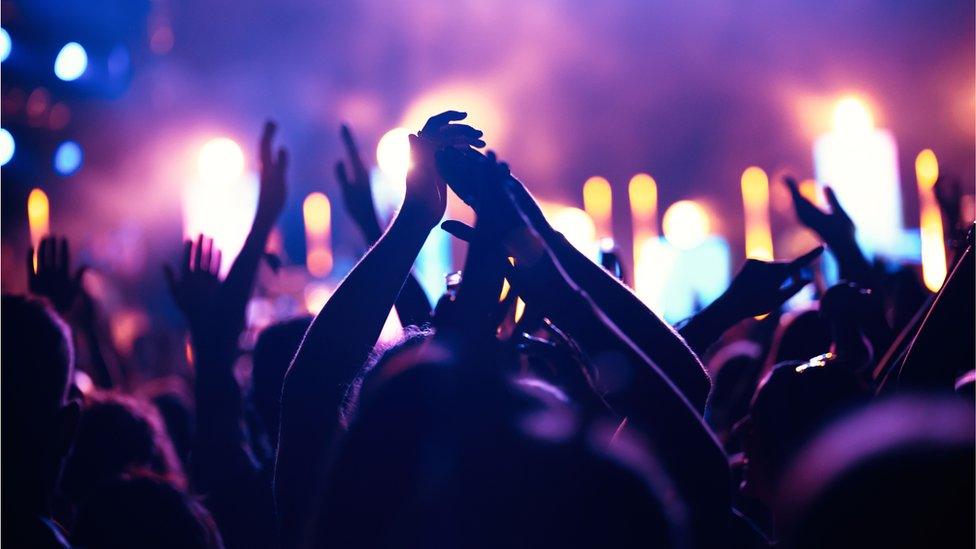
[
  {"x": 7, "y": 147},
  {"x": 71, "y": 62},
  {"x": 4, "y": 45},
  {"x": 67, "y": 159}
]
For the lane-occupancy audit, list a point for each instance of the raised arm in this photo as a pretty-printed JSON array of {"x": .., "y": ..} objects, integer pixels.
[
  {"x": 344, "y": 332},
  {"x": 654, "y": 337},
  {"x": 412, "y": 305},
  {"x": 758, "y": 288},
  {"x": 837, "y": 230}
]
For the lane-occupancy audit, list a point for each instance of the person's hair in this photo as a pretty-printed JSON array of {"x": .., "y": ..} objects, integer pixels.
[
  {"x": 799, "y": 336},
  {"x": 896, "y": 474},
  {"x": 37, "y": 360},
  {"x": 118, "y": 434},
  {"x": 143, "y": 511},
  {"x": 273, "y": 352},
  {"x": 791, "y": 404}
]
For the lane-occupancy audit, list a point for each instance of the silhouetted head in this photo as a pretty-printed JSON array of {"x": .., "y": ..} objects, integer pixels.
[
  {"x": 800, "y": 336},
  {"x": 896, "y": 474},
  {"x": 273, "y": 352},
  {"x": 143, "y": 511},
  {"x": 38, "y": 422},
  {"x": 118, "y": 434},
  {"x": 791, "y": 403},
  {"x": 444, "y": 453},
  {"x": 735, "y": 370}
]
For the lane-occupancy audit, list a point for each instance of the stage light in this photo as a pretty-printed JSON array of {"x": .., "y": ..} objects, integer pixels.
[
  {"x": 642, "y": 191},
  {"x": 220, "y": 160},
  {"x": 930, "y": 221},
  {"x": 38, "y": 217},
  {"x": 5, "y": 45},
  {"x": 598, "y": 202},
  {"x": 685, "y": 224},
  {"x": 578, "y": 228},
  {"x": 7, "y": 146},
  {"x": 317, "y": 212},
  {"x": 755, "y": 199},
  {"x": 393, "y": 154},
  {"x": 317, "y": 294},
  {"x": 852, "y": 117},
  {"x": 71, "y": 62},
  {"x": 67, "y": 158}
]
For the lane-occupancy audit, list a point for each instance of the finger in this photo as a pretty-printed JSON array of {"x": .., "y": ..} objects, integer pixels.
[
  {"x": 834, "y": 203},
  {"x": 215, "y": 262},
  {"x": 187, "y": 255},
  {"x": 438, "y": 120},
  {"x": 458, "y": 230},
  {"x": 341, "y": 175},
  {"x": 63, "y": 256},
  {"x": 461, "y": 129},
  {"x": 30, "y": 263},
  {"x": 792, "y": 185},
  {"x": 282, "y": 162},
  {"x": 197, "y": 253},
  {"x": 42, "y": 261},
  {"x": 267, "y": 135},
  {"x": 805, "y": 259},
  {"x": 352, "y": 149}
]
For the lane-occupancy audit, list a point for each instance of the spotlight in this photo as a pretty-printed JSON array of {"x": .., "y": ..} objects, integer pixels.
[
  {"x": 685, "y": 224},
  {"x": 71, "y": 62},
  {"x": 221, "y": 160},
  {"x": 393, "y": 153}
]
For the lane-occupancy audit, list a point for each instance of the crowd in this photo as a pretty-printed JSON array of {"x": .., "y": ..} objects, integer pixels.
[{"x": 587, "y": 421}]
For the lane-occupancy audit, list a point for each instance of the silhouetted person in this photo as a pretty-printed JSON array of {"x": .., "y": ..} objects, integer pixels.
[{"x": 38, "y": 422}]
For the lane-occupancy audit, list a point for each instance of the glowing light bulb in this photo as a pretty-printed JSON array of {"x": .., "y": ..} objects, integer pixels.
[
  {"x": 755, "y": 199},
  {"x": 598, "y": 202},
  {"x": 852, "y": 117},
  {"x": 71, "y": 62},
  {"x": 393, "y": 153},
  {"x": 930, "y": 221},
  {"x": 317, "y": 212},
  {"x": 686, "y": 224},
  {"x": 7, "y": 146},
  {"x": 221, "y": 160}
]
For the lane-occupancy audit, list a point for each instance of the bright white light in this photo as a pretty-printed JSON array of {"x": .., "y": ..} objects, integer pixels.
[
  {"x": 393, "y": 153},
  {"x": 71, "y": 62},
  {"x": 852, "y": 117},
  {"x": 7, "y": 147},
  {"x": 4, "y": 45},
  {"x": 685, "y": 224},
  {"x": 221, "y": 160},
  {"x": 67, "y": 158},
  {"x": 578, "y": 228},
  {"x": 222, "y": 211}
]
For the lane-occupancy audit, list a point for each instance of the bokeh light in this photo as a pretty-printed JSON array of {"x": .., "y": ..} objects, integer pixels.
[
  {"x": 927, "y": 168},
  {"x": 598, "y": 202},
  {"x": 221, "y": 160},
  {"x": 686, "y": 224},
  {"x": 71, "y": 62},
  {"x": 38, "y": 216},
  {"x": 317, "y": 212},
  {"x": 934, "y": 267},
  {"x": 755, "y": 199},
  {"x": 68, "y": 158},
  {"x": 7, "y": 146},
  {"x": 393, "y": 153},
  {"x": 5, "y": 45},
  {"x": 852, "y": 117},
  {"x": 578, "y": 228}
]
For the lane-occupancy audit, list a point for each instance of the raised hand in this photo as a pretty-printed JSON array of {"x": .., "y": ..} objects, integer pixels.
[
  {"x": 763, "y": 286},
  {"x": 195, "y": 290},
  {"x": 271, "y": 198},
  {"x": 356, "y": 194},
  {"x": 53, "y": 278},
  {"x": 834, "y": 227}
]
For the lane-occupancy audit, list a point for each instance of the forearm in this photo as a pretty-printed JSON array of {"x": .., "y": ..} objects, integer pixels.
[
  {"x": 653, "y": 336},
  {"x": 412, "y": 305},
  {"x": 707, "y": 326}
]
